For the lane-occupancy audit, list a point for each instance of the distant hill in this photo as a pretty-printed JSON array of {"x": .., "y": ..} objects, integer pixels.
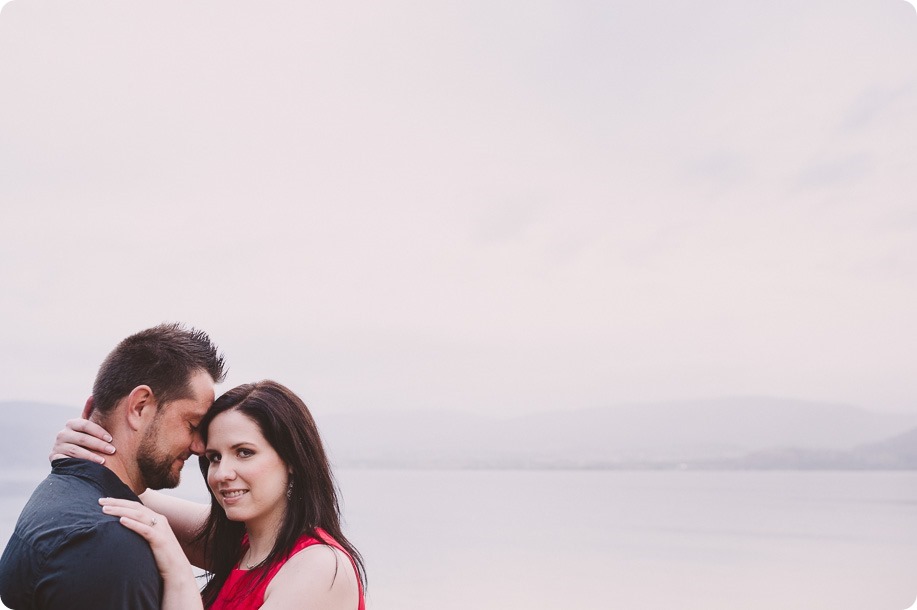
[
  {"x": 724, "y": 433},
  {"x": 896, "y": 453},
  {"x": 900, "y": 451}
]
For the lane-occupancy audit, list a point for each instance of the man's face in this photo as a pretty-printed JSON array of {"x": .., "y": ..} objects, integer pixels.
[{"x": 173, "y": 436}]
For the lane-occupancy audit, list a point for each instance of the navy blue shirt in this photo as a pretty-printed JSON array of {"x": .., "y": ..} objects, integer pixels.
[{"x": 65, "y": 553}]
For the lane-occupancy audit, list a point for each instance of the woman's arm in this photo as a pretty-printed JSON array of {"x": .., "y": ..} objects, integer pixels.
[
  {"x": 87, "y": 440},
  {"x": 179, "y": 591},
  {"x": 186, "y": 519}
]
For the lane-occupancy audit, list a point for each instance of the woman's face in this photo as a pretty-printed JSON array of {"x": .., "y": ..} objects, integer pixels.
[{"x": 246, "y": 475}]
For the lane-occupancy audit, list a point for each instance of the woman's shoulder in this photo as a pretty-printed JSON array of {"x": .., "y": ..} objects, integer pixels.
[
  {"x": 319, "y": 537},
  {"x": 305, "y": 541},
  {"x": 319, "y": 572}
]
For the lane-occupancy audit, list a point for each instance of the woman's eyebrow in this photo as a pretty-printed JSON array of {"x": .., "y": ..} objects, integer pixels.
[{"x": 233, "y": 446}]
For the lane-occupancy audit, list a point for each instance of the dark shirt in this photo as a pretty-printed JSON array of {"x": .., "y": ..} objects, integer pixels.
[{"x": 65, "y": 553}]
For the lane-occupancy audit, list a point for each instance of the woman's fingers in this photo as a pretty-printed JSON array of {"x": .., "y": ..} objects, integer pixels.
[
  {"x": 129, "y": 508},
  {"x": 90, "y": 428},
  {"x": 121, "y": 502},
  {"x": 154, "y": 528},
  {"x": 145, "y": 530},
  {"x": 82, "y": 439},
  {"x": 135, "y": 516}
]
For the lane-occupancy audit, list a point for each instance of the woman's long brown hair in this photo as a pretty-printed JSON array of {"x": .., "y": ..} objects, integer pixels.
[{"x": 288, "y": 426}]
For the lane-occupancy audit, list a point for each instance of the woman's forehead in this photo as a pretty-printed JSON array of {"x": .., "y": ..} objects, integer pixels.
[{"x": 232, "y": 427}]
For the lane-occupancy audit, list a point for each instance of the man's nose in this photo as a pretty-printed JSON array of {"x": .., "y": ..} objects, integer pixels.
[{"x": 197, "y": 444}]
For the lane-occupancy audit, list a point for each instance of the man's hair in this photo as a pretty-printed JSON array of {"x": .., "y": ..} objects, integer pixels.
[{"x": 163, "y": 357}]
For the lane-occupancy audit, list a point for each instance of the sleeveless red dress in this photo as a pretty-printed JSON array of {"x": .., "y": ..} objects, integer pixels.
[{"x": 233, "y": 597}]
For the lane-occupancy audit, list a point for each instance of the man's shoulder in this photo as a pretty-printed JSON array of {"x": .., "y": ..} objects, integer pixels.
[
  {"x": 106, "y": 540},
  {"x": 65, "y": 509},
  {"x": 66, "y": 553},
  {"x": 103, "y": 566},
  {"x": 98, "y": 540}
]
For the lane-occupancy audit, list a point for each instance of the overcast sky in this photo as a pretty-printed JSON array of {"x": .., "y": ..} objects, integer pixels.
[{"x": 495, "y": 206}]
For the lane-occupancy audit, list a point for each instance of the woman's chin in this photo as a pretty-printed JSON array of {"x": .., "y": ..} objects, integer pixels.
[{"x": 234, "y": 514}]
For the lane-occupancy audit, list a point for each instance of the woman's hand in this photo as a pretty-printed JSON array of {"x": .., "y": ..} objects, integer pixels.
[
  {"x": 82, "y": 439},
  {"x": 154, "y": 528},
  {"x": 179, "y": 587}
]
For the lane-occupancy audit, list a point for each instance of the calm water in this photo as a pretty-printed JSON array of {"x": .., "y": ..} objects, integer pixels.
[{"x": 489, "y": 540}]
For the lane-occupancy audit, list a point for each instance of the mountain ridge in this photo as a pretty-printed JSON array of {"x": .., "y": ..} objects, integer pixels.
[{"x": 732, "y": 433}]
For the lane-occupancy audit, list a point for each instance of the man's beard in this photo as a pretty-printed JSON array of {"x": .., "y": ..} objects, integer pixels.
[{"x": 156, "y": 468}]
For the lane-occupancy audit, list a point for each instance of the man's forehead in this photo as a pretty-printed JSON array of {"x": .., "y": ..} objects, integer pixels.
[
  {"x": 200, "y": 409},
  {"x": 190, "y": 408},
  {"x": 202, "y": 387}
]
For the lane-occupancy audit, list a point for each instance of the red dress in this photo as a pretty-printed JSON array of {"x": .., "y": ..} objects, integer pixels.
[{"x": 229, "y": 598}]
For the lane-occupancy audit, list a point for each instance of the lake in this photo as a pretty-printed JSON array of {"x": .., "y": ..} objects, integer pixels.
[{"x": 559, "y": 540}]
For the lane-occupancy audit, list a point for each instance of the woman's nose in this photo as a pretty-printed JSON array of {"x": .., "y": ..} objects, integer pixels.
[{"x": 224, "y": 472}]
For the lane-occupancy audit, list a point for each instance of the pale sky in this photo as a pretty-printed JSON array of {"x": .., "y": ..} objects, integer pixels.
[{"x": 491, "y": 206}]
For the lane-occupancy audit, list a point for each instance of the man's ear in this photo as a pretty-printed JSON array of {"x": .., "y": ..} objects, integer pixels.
[
  {"x": 87, "y": 409},
  {"x": 141, "y": 406}
]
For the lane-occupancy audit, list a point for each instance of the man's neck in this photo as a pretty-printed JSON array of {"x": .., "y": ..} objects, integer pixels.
[
  {"x": 129, "y": 476},
  {"x": 124, "y": 461}
]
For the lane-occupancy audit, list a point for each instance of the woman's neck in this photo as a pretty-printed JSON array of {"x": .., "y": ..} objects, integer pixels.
[{"x": 262, "y": 535}]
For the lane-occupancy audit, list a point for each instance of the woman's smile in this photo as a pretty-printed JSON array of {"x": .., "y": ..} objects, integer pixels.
[{"x": 230, "y": 496}]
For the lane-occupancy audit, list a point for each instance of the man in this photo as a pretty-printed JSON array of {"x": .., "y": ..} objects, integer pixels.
[{"x": 150, "y": 394}]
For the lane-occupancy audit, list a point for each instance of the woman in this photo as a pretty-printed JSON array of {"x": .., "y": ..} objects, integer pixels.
[{"x": 272, "y": 536}]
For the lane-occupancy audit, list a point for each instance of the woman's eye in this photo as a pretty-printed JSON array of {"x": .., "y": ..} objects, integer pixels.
[
  {"x": 213, "y": 458},
  {"x": 246, "y": 453}
]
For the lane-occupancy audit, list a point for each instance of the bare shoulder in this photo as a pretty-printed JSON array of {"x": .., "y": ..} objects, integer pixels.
[{"x": 319, "y": 577}]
